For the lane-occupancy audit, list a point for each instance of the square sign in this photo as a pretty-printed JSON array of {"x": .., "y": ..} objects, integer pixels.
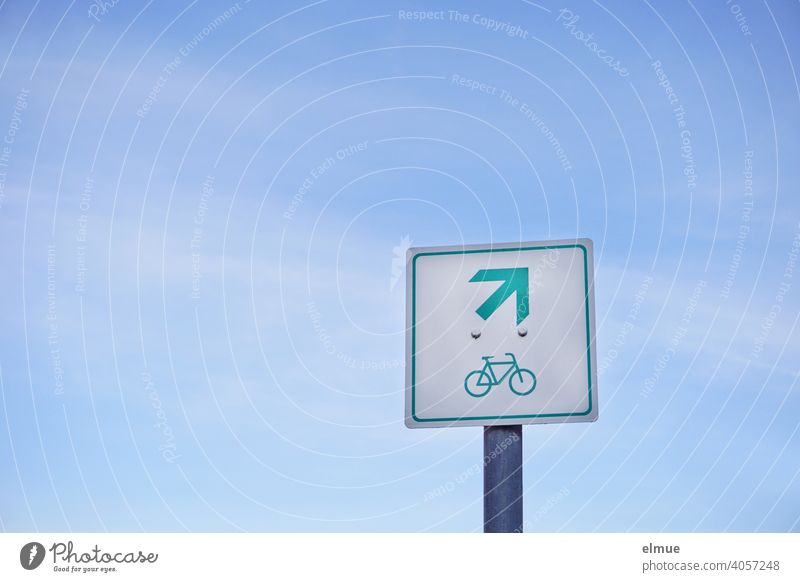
[{"x": 500, "y": 334}]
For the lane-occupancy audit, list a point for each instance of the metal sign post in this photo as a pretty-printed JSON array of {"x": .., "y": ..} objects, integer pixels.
[
  {"x": 502, "y": 479},
  {"x": 501, "y": 335}
]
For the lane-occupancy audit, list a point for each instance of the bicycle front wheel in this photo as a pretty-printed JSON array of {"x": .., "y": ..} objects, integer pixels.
[{"x": 522, "y": 382}]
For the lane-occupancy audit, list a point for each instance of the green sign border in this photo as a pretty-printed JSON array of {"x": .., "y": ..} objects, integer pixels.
[{"x": 501, "y": 250}]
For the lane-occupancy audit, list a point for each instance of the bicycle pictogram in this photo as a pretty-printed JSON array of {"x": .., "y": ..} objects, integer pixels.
[{"x": 521, "y": 381}]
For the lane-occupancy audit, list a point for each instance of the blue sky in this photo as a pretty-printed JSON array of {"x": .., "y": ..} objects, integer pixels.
[{"x": 202, "y": 210}]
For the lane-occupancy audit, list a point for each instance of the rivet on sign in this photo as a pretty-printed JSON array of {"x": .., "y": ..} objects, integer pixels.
[
  {"x": 475, "y": 333},
  {"x": 522, "y": 331}
]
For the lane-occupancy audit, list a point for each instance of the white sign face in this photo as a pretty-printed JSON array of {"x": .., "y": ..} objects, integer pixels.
[{"x": 500, "y": 334}]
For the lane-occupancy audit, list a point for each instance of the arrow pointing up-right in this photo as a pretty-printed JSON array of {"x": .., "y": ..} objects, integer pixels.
[{"x": 514, "y": 281}]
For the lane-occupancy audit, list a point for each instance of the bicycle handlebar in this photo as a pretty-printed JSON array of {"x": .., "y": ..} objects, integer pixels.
[{"x": 512, "y": 356}]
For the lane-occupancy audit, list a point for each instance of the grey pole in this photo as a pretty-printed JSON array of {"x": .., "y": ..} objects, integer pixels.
[{"x": 502, "y": 479}]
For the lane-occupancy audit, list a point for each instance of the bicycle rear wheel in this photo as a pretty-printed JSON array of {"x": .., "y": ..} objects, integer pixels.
[{"x": 477, "y": 383}]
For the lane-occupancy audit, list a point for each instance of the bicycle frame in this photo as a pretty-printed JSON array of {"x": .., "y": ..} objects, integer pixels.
[{"x": 488, "y": 368}]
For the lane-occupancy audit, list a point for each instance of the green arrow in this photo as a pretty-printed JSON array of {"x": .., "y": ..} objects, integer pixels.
[{"x": 514, "y": 280}]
